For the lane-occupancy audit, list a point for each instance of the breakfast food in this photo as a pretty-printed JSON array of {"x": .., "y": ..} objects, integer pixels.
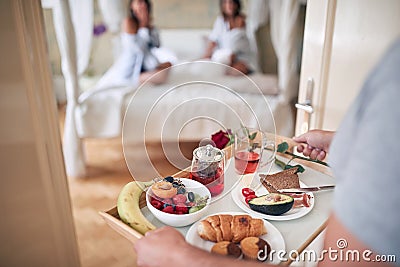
[
  {"x": 301, "y": 200},
  {"x": 281, "y": 180},
  {"x": 170, "y": 196},
  {"x": 255, "y": 248},
  {"x": 272, "y": 204},
  {"x": 164, "y": 189},
  {"x": 234, "y": 228},
  {"x": 227, "y": 248},
  {"x": 128, "y": 207}
]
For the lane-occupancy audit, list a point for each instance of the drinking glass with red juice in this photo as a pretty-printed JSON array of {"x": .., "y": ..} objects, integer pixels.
[{"x": 249, "y": 148}]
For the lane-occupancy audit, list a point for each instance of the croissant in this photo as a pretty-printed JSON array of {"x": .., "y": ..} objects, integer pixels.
[{"x": 233, "y": 228}]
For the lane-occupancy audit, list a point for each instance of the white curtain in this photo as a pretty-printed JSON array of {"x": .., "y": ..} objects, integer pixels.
[
  {"x": 283, "y": 16},
  {"x": 82, "y": 18},
  {"x": 284, "y": 20},
  {"x": 81, "y": 15},
  {"x": 72, "y": 144},
  {"x": 257, "y": 17},
  {"x": 113, "y": 12},
  {"x": 73, "y": 23}
]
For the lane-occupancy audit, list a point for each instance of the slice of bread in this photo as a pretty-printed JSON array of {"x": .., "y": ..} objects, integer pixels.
[{"x": 281, "y": 180}]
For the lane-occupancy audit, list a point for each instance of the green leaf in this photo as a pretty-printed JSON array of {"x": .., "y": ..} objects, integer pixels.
[
  {"x": 282, "y": 147},
  {"x": 280, "y": 163},
  {"x": 300, "y": 169},
  {"x": 231, "y": 141},
  {"x": 246, "y": 131},
  {"x": 252, "y": 136}
]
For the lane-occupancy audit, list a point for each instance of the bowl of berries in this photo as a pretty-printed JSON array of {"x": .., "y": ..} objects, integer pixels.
[{"x": 178, "y": 201}]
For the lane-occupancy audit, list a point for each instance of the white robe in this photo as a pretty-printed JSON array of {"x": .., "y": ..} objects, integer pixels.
[{"x": 230, "y": 41}]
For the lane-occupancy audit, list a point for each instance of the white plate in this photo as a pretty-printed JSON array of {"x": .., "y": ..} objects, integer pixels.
[
  {"x": 290, "y": 215},
  {"x": 273, "y": 236}
]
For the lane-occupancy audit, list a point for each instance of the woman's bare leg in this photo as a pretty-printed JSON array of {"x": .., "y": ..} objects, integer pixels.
[
  {"x": 238, "y": 66},
  {"x": 160, "y": 78}
]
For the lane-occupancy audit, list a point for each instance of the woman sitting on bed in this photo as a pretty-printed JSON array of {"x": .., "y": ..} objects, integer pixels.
[
  {"x": 136, "y": 62},
  {"x": 228, "y": 41}
]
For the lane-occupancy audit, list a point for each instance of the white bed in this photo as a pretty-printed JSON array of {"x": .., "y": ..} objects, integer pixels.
[
  {"x": 193, "y": 90},
  {"x": 254, "y": 101},
  {"x": 99, "y": 113}
]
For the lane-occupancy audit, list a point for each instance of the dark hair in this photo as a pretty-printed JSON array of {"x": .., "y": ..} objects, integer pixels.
[
  {"x": 132, "y": 14},
  {"x": 238, "y": 9}
]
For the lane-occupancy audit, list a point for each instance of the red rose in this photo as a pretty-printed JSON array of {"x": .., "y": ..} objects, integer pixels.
[{"x": 220, "y": 139}]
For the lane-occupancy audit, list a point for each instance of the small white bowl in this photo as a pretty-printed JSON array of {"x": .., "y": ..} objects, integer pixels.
[{"x": 180, "y": 220}]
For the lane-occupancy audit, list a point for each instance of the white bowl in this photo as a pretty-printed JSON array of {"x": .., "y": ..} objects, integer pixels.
[{"x": 179, "y": 220}]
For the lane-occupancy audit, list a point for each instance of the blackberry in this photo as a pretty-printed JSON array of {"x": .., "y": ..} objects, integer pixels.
[
  {"x": 181, "y": 190},
  {"x": 169, "y": 179}
]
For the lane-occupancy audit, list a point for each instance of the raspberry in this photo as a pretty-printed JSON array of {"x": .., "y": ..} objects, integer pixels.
[
  {"x": 181, "y": 209},
  {"x": 169, "y": 209},
  {"x": 156, "y": 204}
]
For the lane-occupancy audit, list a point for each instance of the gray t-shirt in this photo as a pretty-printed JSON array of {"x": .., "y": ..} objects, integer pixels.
[{"x": 365, "y": 160}]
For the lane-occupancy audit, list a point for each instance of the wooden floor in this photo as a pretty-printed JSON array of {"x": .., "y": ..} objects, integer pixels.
[{"x": 99, "y": 245}]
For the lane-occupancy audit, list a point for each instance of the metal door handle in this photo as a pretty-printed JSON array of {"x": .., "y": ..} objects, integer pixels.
[{"x": 305, "y": 106}]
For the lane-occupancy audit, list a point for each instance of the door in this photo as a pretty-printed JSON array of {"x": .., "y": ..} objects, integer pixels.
[
  {"x": 37, "y": 228},
  {"x": 343, "y": 40}
]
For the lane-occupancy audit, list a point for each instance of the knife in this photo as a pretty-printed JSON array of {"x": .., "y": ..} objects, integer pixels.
[{"x": 307, "y": 189}]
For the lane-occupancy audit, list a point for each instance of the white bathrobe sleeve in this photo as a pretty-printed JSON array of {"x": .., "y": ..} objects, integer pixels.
[{"x": 218, "y": 29}]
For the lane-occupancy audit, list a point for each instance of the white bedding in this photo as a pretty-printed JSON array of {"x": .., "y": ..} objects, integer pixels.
[{"x": 197, "y": 100}]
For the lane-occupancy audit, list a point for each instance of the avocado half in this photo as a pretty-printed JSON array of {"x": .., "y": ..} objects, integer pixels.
[{"x": 272, "y": 204}]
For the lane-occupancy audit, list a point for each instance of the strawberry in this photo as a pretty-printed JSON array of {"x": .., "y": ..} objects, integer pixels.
[
  {"x": 179, "y": 199},
  {"x": 167, "y": 201}
]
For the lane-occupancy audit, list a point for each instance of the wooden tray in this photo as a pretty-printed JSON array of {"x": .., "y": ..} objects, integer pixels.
[{"x": 113, "y": 220}]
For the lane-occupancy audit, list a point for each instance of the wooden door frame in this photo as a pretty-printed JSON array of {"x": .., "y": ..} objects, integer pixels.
[{"x": 44, "y": 117}]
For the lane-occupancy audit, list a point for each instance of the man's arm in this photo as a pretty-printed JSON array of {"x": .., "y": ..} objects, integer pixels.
[
  {"x": 342, "y": 248},
  {"x": 167, "y": 247}
]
